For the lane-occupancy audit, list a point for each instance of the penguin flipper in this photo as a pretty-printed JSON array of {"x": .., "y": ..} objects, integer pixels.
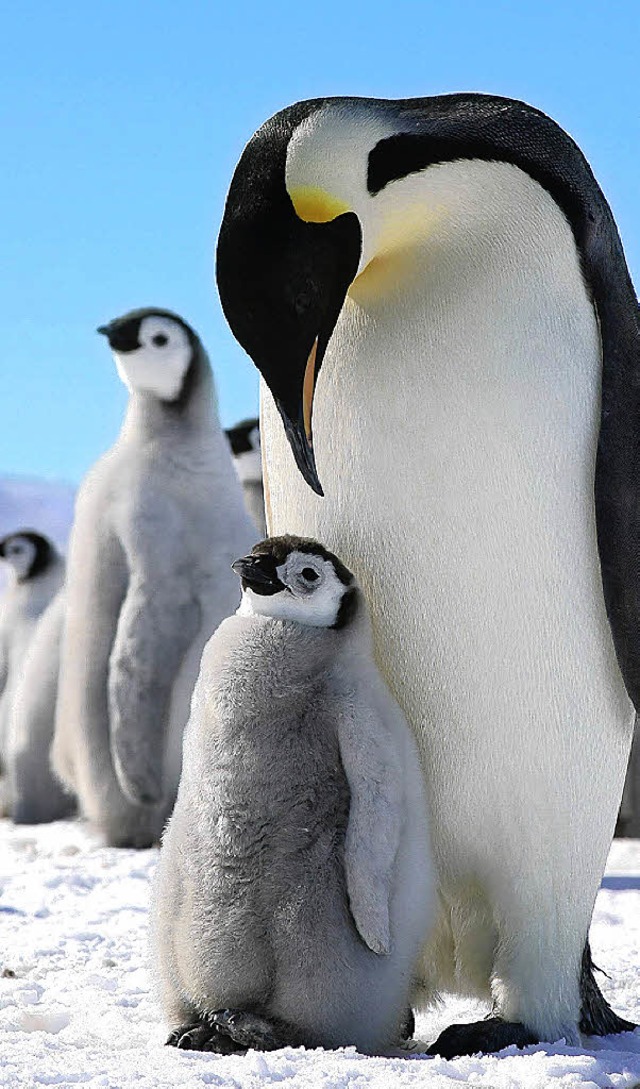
[
  {"x": 374, "y": 774},
  {"x": 157, "y": 625}
]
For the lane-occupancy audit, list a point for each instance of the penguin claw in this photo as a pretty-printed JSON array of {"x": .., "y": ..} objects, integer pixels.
[
  {"x": 248, "y": 1030},
  {"x": 188, "y": 1037},
  {"x": 202, "y": 1036},
  {"x": 492, "y": 1034}
]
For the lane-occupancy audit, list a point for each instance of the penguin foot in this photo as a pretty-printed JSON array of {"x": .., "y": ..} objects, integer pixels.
[
  {"x": 201, "y": 1036},
  {"x": 493, "y": 1034},
  {"x": 250, "y": 1030}
]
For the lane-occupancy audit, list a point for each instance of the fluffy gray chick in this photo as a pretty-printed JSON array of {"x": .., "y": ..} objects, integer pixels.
[{"x": 292, "y": 900}]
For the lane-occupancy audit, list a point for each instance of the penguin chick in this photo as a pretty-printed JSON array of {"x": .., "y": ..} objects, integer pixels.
[
  {"x": 37, "y": 572},
  {"x": 158, "y": 521},
  {"x": 244, "y": 440},
  {"x": 36, "y": 794},
  {"x": 291, "y": 903}
]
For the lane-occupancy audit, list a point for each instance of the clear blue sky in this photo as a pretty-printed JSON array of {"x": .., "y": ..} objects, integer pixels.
[{"x": 122, "y": 122}]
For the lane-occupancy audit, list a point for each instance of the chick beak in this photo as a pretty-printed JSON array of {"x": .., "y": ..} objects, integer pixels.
[{"x": 258, "y": 573}]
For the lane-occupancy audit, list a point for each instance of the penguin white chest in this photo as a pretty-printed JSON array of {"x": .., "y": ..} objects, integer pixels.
[{"x": 455, "y": 428}]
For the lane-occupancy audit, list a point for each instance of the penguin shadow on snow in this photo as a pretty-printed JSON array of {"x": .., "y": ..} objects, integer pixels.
[{"x": 620, "y": 882}]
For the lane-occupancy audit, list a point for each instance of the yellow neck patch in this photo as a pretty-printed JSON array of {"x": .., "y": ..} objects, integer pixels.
[
  {"x": 315, "y": 205},
  {"x": 395, "y": 260}
]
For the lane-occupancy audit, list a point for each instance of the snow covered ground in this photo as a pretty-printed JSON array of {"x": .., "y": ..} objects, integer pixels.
[{"x": 76, "y": 1006}]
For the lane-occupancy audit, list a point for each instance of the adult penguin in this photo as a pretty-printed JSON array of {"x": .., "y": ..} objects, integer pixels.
[
  {"x": 159, "y": 519},
  {"x": 436, "y": 295}
]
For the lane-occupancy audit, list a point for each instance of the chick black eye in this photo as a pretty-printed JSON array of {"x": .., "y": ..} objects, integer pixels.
[
  {"x": 160, "y": 340},
  {"x": 309, "y": 574}
]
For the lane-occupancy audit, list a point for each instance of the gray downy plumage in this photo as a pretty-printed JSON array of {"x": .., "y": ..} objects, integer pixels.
[
  {"x": 37, "y": 572},
  {"x": 36, "y": 794},
  {"x": 158, "y": 520},
  {"x": 289, "y": 905}
]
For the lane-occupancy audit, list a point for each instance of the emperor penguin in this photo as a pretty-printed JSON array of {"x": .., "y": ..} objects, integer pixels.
[
  {"x": 436, "y": 296},
  {"x": 244, "y": 440},
  {"x": 37, "y": 573},
  {"x": 158, "y": 521},
  {"x": 36, "y": 795},
  {"x": 293, "y": 892}
]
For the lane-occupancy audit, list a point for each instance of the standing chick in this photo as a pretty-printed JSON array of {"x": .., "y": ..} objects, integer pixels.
[
  {"x": 37, "y": 572},
  {"x": 36, "y": 794},
  {"x": 244, "y": 440},
  {"x": 291, "y": 902},
  {"x": 159, "y": 519}
]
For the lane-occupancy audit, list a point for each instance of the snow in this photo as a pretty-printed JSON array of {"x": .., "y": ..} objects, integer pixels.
[{"x": 77, "y": 1009}]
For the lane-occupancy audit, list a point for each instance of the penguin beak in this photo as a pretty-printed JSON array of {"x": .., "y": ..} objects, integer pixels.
[
  {"x": 268, "y": 260},
  {"x": 302, "y": 449},
  {"x": 122, "y": 335},
  {"x": 297, "y": 424},
  {"x": 258, "y": 573}
]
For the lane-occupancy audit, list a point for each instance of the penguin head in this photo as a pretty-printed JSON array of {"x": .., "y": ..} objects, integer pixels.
[
  {"x": 153, "y": 350},
  {"x": 296, "y": 578},
  {"x": 27, "y": 552},
  {"x": 244, "y": 440},
  {"x": 283, "y": 279}
]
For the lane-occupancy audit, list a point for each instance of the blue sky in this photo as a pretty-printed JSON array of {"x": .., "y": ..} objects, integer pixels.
[{"x": 122, "y": 122}]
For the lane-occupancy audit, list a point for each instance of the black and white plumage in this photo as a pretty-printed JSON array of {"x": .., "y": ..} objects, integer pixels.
[
  {"x": 436, "y": 295},
  {"x": 28, "y": 678},
  {"x": 159, "y": 519},
  {"x": 244, "y": 440},
  {"x": 293, "y": 891}
]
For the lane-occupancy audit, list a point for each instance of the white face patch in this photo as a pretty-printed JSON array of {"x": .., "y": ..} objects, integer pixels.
[
  {"x": 20, "y": 552},
  {"x": 313, "y": 593},
  {"x": 249, "y": 463},
  {"x": 159, "y": 365}
]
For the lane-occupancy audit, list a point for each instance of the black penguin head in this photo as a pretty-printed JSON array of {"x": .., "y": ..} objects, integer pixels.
[
  {"x": 154, "y": 351},
  {"x": 27, "y": 552},
  {"x": 244, "y": 440},
  {"x": 296, "y": 578},
  {"x": 244, "y": 436},
  {"x": 283, "y": 281}
]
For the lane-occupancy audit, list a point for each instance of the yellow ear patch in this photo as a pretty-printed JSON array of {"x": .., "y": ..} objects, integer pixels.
[
  {"x": 395, "y": 260},
  {"x": 315, "y": 205}
]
